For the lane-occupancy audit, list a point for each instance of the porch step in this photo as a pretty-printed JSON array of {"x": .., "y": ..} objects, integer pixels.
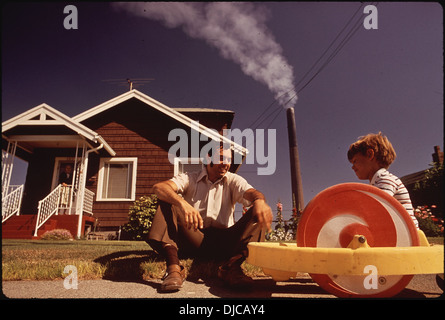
[
  {"x": 23, "y": 226},
  {"x": 19, "y": 227}
]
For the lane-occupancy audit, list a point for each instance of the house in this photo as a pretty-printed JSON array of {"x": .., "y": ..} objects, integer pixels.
[{"x": 116, "y": 152}]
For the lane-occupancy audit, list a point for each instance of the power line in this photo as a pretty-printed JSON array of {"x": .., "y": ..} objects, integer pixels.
[
  {"x": 357, "y": 16},
  {"x": 275, "y": 101},
  {"x": 351, "y": 31},
  {"x": 325, "y": 52}
]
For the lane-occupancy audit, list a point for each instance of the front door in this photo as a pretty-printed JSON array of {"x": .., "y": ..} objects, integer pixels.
[{"x": 65, "y": 170}]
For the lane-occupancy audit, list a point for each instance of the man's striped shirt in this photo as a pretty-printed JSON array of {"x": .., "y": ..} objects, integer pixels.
[{"x": 388, "y": 182}]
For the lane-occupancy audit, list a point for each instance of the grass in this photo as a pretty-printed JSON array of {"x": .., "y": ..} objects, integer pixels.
[{"x": 117, "y": 260}]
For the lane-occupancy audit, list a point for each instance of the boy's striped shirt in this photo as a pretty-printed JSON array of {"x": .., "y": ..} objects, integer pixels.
[{"x": 388, "y": 182}]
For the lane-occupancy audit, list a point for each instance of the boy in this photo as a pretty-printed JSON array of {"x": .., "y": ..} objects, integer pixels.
[{"x": 371, "y": 156}]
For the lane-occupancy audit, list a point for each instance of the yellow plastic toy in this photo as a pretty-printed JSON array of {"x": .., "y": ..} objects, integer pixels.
[{"x": 354, "y": 240}]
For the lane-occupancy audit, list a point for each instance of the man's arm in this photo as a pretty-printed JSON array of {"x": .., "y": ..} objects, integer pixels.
[
  {"x": 167, "y": 191},
  {"x": 260, "y": 208}
]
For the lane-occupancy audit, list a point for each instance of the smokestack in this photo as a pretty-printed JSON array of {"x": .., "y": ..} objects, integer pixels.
[{"x": 297, "y": 186}]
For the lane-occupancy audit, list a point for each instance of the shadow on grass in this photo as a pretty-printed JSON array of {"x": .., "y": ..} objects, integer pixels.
[
  {"x": 144, "y": 266},
  {"x": 148, "y": 267},
  {"x": 131, "y": 266}
]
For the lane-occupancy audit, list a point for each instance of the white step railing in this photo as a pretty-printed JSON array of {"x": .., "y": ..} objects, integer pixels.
[
  {"x": 61, "y": 198},
  {"x": 12, "y": 202},
  {"x": 47, "y": 207}
]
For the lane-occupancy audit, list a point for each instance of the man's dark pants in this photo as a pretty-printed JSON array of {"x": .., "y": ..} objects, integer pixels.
[{"x": 227, "y": 245}]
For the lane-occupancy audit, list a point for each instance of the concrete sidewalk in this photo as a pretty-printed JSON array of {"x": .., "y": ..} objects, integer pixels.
[{"x": 422, "y": 286}]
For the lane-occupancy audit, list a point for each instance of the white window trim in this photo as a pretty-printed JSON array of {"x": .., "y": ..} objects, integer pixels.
[
  {"x": 100, "y": 182},
  {"x": 186, "y": 160}
]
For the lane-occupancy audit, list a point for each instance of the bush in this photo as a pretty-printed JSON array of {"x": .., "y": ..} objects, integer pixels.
[
  {"x": 57, "y": 234},
  {"x": 429, "y": 223},
  {"x": 140, "y": 217},
  {"x": 429, "y": 190}
]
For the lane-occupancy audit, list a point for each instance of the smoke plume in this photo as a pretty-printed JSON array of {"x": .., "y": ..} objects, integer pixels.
[{"x": 237, "y": 30}]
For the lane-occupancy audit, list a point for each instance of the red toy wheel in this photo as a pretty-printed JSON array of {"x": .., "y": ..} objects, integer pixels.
[{"x": 338, "y": 213}]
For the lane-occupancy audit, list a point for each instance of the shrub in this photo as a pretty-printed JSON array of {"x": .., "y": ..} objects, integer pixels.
[
  {"x": 57, "y": 234},
  {"x": 140, "y": 217},
  {"x": 429, "y": 190},
  {"x": 431, "y": 225}
]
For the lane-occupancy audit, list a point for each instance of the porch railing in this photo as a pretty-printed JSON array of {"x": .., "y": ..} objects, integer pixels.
[
  {"x": 12, "y": 202},
  {"x": 61, "y": 198},
  {"x": 88, "y": 201}
]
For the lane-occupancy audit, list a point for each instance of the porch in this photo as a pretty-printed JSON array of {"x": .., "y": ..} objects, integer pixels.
[
  {"x": 56, "y": 211},
  {"x": 23, "y": 226},
  {"x": 50, "y": 142}
]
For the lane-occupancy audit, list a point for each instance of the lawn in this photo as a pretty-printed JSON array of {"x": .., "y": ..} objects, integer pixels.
[
  {"x": 118, "y": 260},
  {"x": 46, "y": 260}
]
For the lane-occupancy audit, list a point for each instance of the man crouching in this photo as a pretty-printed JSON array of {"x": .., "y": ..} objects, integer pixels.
[{"x": 196, "y": 216}]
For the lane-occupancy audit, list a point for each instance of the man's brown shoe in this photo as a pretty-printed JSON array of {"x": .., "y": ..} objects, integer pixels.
[
  {"x": 234, "y": 277},
  {"x": 173, "y": 278}
]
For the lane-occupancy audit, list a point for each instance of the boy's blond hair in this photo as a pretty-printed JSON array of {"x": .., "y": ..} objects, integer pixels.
[{"x": 383, "y": 150}]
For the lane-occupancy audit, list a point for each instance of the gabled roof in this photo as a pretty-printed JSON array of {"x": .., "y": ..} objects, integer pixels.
[
  {"x": 162, "y": 108},
  {"x": 44, "y": 115}
]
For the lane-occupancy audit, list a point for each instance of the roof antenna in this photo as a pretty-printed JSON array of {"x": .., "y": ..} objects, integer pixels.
[{"x": 131, "y": 83}]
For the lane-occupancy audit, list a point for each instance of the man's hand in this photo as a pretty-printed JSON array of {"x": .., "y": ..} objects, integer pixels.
[
  {"x": 167, "y": 191},
  {"x": 261, "y": 209},
  {"x": 263, "y": 213},
  {"x": 191, "y": 216}
]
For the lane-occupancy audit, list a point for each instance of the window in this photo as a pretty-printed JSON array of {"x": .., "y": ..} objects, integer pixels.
[
  {"x": 187, "y": 165},
  {"x": 117, "y": 179}
]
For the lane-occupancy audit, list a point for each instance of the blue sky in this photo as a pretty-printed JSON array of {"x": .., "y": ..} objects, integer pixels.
[{"x": 388, "y": 79}]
